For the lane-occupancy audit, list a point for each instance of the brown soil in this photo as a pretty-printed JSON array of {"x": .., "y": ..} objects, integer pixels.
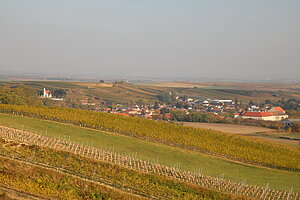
[
  {"x": 177, "y": 85},
  {"x": 94, "y": 85},
  {"x": 230, "y": 128}
]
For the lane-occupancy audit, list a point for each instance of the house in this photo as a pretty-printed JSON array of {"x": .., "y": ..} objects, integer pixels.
[
  {"x": 253, "y": 107},
  {"x": 206, "y": 103},
  {"x": 222, "y": 101},
  {"x": 106, "y": 110},
  {"x": 279, "y": 112},
  {"x": 190, "y": 99},
  {"x": 134, "y": 111},
  {"x": 88, "y": 104},
  {"x": 236, "y": 115}
]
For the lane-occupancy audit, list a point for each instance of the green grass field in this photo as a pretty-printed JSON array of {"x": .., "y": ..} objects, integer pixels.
[{"x": 187, "y": 160}]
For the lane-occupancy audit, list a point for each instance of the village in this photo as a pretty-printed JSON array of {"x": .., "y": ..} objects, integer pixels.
[
  {"x": 115, "y": 100},
  {"x": 211, "y": 106},
  {"x": 218, "y": 110}
]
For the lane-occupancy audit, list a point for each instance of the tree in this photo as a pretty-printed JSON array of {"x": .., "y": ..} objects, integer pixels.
[
  {"x": 236, "y": 101},
  {"x": 179, "y": 105},
  {"x": 165, "y": 97},
  {"x": 179, "y": 115},
  {"x": 156, "y": 105},
  {"x": 20, "y": 95},
  {"x": 268, "y": 101},
  {"x": 164, "y": 111},
  {"x": 59, "y": 93},
  {"x": 251, "y": 103}
]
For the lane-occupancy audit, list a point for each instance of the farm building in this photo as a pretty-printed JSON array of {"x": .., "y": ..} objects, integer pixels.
[
  {"x": 224, "y": 101},
  {"x": 274, "y": 114}
]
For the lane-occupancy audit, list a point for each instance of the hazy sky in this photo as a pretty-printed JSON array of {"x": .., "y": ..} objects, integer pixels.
[{"x": 164, "y": 38}]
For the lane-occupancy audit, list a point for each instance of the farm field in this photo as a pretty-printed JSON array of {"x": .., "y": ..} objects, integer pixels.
[
  {"x": 94, "y": 85},
  {"x": 244, "y": 94},
  {"x": 187, "y": 160},
  {"x": 292, "y": 139},
  {"x": 267, "y": 134},
  {"x": 129, "y": 93},
  {"x": 50, "y": 84},
  {"x": 231, "y": 85},
  {"x": 230, "y": 128},
  {"x": 242, "y": 149},
  {"x": 290, "y": 135},
  {"x": 74, "y": 175},
  {"x": 27, "y": 181},
  {"x": 294, "y": 143},
  {"x": 176, "y": 84},
  {"x": 97, "y": 92},
  {"x": 257, "y": 92}
]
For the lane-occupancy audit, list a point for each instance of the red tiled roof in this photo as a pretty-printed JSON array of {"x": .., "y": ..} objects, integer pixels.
[
  {"x": 258, "y": 114},
  {"x": 278, "y": 109},
  {"x": 123, "y": 114}
]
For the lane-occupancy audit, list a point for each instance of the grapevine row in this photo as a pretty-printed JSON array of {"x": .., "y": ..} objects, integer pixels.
[{"x": 145, "y": 166}]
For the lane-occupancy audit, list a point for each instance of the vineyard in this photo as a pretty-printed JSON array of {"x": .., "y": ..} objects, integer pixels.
[
  {"x": 36, "y": 182},
  {"x": 208, "y": 141},
  {"x": 85, "y": 165},
  {"x": 157, "y": 153},
  {"x": 38, "y": 155}
]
